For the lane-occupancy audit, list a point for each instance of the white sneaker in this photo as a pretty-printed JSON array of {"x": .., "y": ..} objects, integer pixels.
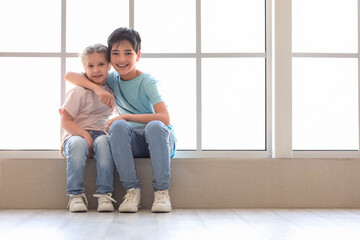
[
  {"x": 131, "y": 201},
  {"x": 161, "y": 202},
  {"x": 77, "y": 204},
  {"x": 105, "y": 202}
]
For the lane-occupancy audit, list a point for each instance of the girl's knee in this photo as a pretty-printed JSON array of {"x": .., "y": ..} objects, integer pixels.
[
  {"x": 101, "y": 142},
  {"x": 77, "y": 144},
  {"x": 76, "y": 152}
]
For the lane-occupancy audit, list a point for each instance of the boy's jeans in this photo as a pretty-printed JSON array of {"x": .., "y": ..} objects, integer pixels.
[
  {"x": 76, "y": 151},
  {"x": 154, "y": 140}
]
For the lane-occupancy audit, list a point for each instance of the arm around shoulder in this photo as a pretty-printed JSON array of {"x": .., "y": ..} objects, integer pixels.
[{"x": 80, "y": 79}]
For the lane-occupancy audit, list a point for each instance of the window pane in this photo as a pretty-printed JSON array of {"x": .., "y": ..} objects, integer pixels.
[
  {"x": 325, "y": 26},
  {"x": 91, "y": 21},
  {"x": 325, "y": 104},
  {"x": 26, "y": 27},
  {"x": 169, "y": 26},
  {"x": 233, "y": 26},
  {"x": 32, "y": 119},
  {"x": 178, "y": 83},
  {"x": 233, "y": 104},
  {"x": 73, "y": 65}
]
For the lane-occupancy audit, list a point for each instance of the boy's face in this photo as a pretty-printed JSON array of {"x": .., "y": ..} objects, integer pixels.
[
  {"x": 96, "y": 67},
  {"x": 123, "y": 58}
]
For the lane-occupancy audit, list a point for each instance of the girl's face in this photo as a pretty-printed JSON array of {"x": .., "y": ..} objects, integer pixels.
[
  {"x": 96, "y": 67},
  {"x": 123, "y": 59}
]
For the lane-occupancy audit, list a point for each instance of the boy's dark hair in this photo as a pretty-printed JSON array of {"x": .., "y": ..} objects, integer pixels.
[{"x": 122, "y": 34}]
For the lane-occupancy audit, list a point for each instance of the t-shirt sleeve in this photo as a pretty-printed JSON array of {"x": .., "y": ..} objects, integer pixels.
[
  {"x": 152, "y": 91},
  {"x": 73, "y": 103},
  {"x": 111, "y": 79}
]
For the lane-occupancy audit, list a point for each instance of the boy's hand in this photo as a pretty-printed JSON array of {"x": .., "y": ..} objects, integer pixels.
[
  {"x": 108, "y": 123},
  {"x": 104, "y": 96},
  {"x": 90, "y": 142}
]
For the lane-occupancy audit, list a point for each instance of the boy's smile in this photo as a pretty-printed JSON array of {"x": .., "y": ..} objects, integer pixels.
[{"x": 123, "y": 59}]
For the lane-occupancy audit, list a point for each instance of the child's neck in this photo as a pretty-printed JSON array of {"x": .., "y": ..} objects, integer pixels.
[
  {"x": 129, "y": 77},
  {"x": 100, "y": 84}
]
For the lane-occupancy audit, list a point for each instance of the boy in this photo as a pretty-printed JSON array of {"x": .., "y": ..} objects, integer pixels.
[
  {"x": 142, "y": 128},
  {"x": 83, "y": 117}
]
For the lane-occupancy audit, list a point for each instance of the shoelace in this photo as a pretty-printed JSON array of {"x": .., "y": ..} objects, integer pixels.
[
  {"x": 129, "y": 196},
  {"x": 105, "y": 197},
  {"x": 161, "y": 197},
  {"x": 78, "y": 199}
]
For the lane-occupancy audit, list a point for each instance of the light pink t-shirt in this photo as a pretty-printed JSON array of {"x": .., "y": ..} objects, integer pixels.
[{"x": 88, "y": 112}]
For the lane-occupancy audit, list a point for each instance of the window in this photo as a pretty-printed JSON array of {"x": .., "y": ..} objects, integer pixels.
[
  {"x": 325, "y": 75},
  {"x": 208, "y": 55}
]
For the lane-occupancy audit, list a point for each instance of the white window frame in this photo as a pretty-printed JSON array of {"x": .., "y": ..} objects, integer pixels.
[
  {"x": 332, "y": 153},
  {"x": 279, "y": 91}
]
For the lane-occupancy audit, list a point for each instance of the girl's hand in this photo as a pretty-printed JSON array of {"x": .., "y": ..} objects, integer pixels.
[
  {"x": 108, "y": 123},
  {"x": 90, "y": 142}
]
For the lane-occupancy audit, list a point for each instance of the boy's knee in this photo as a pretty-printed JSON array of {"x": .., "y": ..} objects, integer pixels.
[
  {"x": 156, "y": 127},
  {"x": 119, "y": 126}
]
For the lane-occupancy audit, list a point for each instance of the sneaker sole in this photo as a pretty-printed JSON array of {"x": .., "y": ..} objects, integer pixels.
[
  {"x": 105, "y": 210},
  {"x": 161, "y": 210},
  {"x": 129, "y": 210},
  {"x": 78, "y": 211}
]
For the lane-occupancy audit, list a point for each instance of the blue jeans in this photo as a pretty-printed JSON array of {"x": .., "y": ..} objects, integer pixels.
[
  {"x": 76, "y": 151},
  {"x": 154, "y": 140}
]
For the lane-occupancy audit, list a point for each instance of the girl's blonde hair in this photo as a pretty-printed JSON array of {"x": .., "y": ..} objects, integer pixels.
[{"x": 96, "y": 48}]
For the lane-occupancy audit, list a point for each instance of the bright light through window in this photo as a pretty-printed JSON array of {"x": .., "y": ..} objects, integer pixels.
[
  {"x": 233, "y": 25},
  {"x": 178, "y": 87},
  {"x": 325, "y": 26},
  {"x": 168, "y": 27},
  {"x": 92, "y": 21},
  {"x": 30, "y": 26},
  {"x": 233, "y": 104},
  {"x": 29, "y": 100},
  {"x": 325, "y": 104},
  {"x": 198, "y": 87}
]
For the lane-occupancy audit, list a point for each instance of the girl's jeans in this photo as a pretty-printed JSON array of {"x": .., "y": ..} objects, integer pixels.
[
  {"x": 76, "y": 151},
  {"x": 154, "y": 140}
]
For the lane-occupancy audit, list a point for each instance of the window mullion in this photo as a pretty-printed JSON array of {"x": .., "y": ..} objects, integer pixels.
[
  {"x": 63, "y": 56},
  {"x": 358, "y": 58},
  {"x": 283, "y": 79},
  {"x": 198, "y": 77},
  {"x": 131, "y": 14}
]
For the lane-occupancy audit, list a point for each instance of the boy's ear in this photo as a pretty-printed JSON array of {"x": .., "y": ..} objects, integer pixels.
[
  {"x": 138, "y": 56},
  {"x": 109, "y": 66}
]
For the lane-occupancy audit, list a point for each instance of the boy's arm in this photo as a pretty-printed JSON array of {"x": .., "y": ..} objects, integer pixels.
[
  {"x": 67, "y": 122},
  {"x": 80, "y": 79},
  {"x": 161, "y": 114}
]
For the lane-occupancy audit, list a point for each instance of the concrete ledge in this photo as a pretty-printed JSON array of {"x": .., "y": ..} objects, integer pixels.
[{"x": 197, "y": 183}]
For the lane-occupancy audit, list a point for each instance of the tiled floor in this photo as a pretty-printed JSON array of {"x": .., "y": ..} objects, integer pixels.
[{"x": 246, "y": 224}]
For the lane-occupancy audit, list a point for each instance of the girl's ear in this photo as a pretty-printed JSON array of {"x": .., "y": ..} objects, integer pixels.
[{"x": 138, "y": 56}]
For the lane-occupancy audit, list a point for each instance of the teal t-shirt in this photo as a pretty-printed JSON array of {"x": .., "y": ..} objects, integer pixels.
[{"x": 136, "y": 96}]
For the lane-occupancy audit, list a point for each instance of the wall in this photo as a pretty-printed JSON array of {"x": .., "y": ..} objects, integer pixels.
[{"x": 197, "y": 183}]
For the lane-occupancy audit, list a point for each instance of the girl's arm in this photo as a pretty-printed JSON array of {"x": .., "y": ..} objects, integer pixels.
[
  {"x": 80, "y": 79},
  {"x": 67, "y": 123},
  {"x": 161, "y": 114}
]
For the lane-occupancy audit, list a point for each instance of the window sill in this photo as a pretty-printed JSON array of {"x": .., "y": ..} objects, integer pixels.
[{"x": 54, "y": 154}]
